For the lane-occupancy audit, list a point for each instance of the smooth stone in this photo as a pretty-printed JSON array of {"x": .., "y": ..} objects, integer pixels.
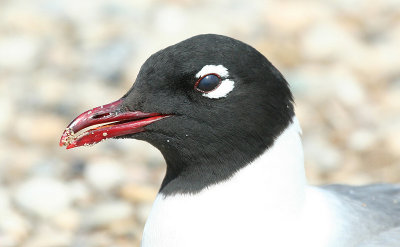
[
  {"x": 362, "y": 140},
  {"x": 325, "y": 157},
  {"x": 143, "y": 212},
  {"x": 80, "y": 192},
  {"x": 5, "y": 201},
  {"x": 18, "y": 53},
  {"x": 39, "y": 128},
  {"x": 138, "y": 193},
  {"x": 48, "y": 236},
  {"x": 68, "y": 220},
  {"x": 43, "y": 196},
  {"x": 103, "y": 214},
  {"x": 14, "y": 228},
  {"x": 104, "y": 174}
]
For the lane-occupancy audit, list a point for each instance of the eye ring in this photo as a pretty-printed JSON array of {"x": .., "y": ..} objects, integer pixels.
[{"x": 204, "y": 76}]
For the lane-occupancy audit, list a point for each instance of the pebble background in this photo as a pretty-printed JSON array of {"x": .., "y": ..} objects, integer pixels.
[{"x": 60, "y": 58}]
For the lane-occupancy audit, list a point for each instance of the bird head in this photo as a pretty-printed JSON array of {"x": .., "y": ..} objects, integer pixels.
[{"x": 211, "y": 104}]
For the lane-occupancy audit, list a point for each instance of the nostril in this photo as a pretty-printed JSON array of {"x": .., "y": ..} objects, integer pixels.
[{"x": 100, "y": 115}]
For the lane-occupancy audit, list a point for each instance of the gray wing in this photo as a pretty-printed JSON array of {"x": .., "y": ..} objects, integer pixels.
[
  {"x": 378, "y": 197},
  {"x": 375, "y": 212},
  {"x": 390, "y": 238}
]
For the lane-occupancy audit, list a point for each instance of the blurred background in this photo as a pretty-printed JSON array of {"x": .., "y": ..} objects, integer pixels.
[{"x": 59, "y": 58}]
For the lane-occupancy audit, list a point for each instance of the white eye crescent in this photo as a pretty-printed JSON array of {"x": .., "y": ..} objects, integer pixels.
[{"x": 225, "y": 86}]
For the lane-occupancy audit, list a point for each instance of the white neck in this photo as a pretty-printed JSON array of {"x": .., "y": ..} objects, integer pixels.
[
  {"x": 266, "y": 203},
  {"x": 278, "y": 174}
]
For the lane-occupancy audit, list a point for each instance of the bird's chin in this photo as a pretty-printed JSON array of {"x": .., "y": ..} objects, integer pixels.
[{"x": 105, "y": 122}]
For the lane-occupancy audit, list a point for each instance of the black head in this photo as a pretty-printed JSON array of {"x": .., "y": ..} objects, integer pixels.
[
  {"x": 225, "y": 102},
  {"x": 209, "y": 138}
]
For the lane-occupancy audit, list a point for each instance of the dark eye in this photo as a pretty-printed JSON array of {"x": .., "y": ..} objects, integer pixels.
[{"x": 208, "y": 83}]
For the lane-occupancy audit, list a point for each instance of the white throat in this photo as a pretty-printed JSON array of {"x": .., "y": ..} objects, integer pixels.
[{"x": 257, "y": 206}]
